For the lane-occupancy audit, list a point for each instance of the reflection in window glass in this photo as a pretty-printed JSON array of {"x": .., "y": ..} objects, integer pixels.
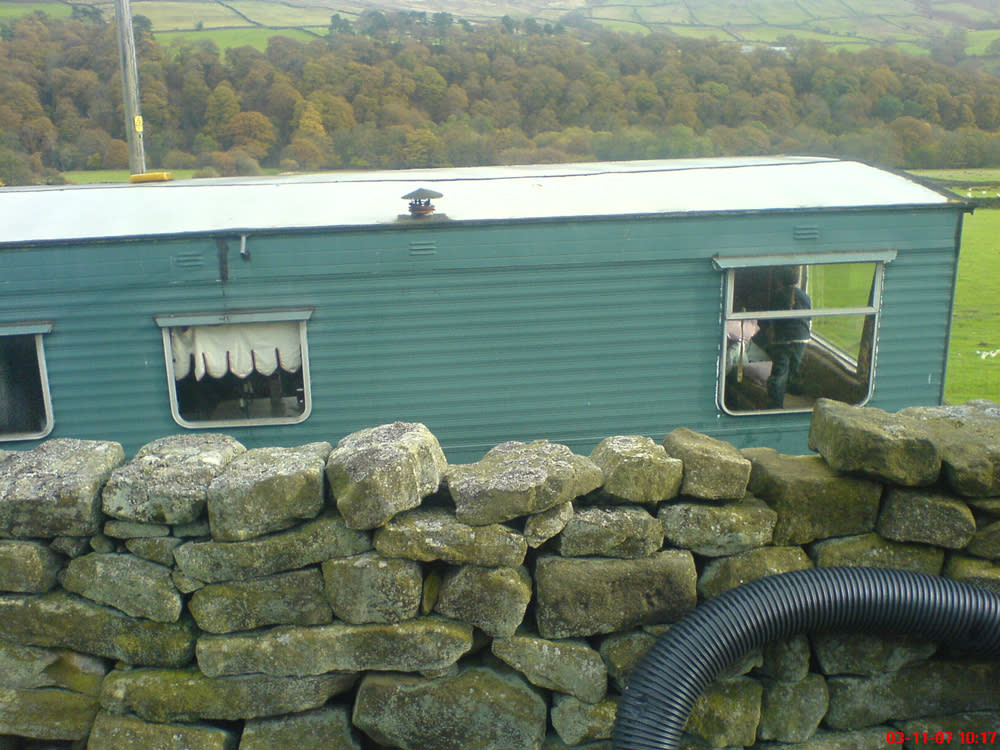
[{"x": 796, "y": 333}]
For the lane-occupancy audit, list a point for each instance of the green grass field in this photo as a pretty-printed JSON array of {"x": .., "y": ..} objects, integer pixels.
[{"x": 974, "y": 353}]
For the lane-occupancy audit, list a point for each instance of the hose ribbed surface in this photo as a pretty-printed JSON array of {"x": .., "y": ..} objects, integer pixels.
[{"x": 662, "y": 690}]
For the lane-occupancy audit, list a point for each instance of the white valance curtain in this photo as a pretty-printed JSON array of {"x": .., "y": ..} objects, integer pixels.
[{"x": 240, "y": 349}]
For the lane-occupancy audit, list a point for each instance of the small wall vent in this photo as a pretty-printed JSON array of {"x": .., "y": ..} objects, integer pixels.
[
  {"x": 423, "y": 247},
  {"x": 187, "y": 261},
  {"x": 804, "y": 233}
]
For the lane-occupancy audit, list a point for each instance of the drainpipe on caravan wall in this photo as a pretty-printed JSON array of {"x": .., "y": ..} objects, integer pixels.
[{"x": 662, "y": 690}]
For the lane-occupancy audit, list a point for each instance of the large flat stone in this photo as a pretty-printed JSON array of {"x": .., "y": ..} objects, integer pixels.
[
  {"x": 167, "y": 480},
  {"x": 476, "y": 708},
  {"x": 311, "y": 543},
  {"x": 812, "y": 500},
  {"x": 579, "y": 597},
  {"x": 891, "y": 447},
  {"x": 266, "y": 490},
  {"x": 61, "y": 620},
  {"x": 519, "y": 479},
  {"x": 55, "y": 489},
  {"x": 421, "y": 645},
  {"x": 187, "y": 695}
]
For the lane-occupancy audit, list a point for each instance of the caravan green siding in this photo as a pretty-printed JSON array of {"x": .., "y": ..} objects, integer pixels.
[{"x": 564, "y": 328}]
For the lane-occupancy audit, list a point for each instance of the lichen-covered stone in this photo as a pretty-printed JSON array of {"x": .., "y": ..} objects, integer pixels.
[
  {"x": 913, "y": 515},
  {"x": 159, "y": 550},
  {"x": 292, "y": 598},
  {"x": 812, "y": 501},
  {"x": 792, "y": 711},
  {"x": 568, "y": 666},
  {"x": 134, "y": 529},
  {"x": 379, "y": 472},
  {"x": 579, "y": 597},
  {"x": 931, "y": 688},
  {"x": 372, "y": 588},
  {"x": 32, "y": 667},
  {"x": 187, "y": 695},
  {"x": 420, "y": 645},
  {"x": 713, "y": 469},
  {"x": 167, "y": 480},
  {"x": 637, "y": 469},
  {"x": 327, "y": 728},
  {"x": 986, "y": 542},
  {"x": 892, "y": 447},
  {"x": 873, "y": 550},
  {"x": 727, "y": 713},
  {"x": 477, "y": 708},
  {"x": 266, "y": 490},
  {"x": 866, "y": 654},
  {"x": 578, "y": 721},
  {"x": 622, "y": 653},
  {"x": 113, "y": 732},
  {"x": 611, "y": 532},
  {"x": 308, "y": 544},
  {"x": 28, "y": 567},
  {"x": 518, "y": 479},
  {"x": 55, "y": 489},
  {"x": 46, "y": 713},
  {"x": 786, "y": 659},
  {"x": 968, "y": 439},
  {"x": 135, "y": 586},
  {"x": 718, "y": 530},
  {"x": 492, "y": 599},
  {"x": 540, "y": 527},
  {"x": 726, "y": 573},
  {"x": 60, "y": 620},
  {"x": 429, "y": 534}
]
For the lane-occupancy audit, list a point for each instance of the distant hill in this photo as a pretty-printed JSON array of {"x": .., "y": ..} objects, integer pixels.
[{"x": 967, "y": 27}]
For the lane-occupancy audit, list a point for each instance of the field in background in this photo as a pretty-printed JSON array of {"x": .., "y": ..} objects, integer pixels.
[
  {"x": 848, "y": 24},
  {"x": 974, "y": 353}
]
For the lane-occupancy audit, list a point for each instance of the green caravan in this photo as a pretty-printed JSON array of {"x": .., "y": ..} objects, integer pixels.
[{"x": 567, "y": 302}]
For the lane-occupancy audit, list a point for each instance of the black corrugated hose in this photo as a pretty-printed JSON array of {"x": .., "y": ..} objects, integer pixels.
[{"x": 691, "y": 655}]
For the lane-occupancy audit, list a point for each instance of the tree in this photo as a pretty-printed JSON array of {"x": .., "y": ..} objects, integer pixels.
[
  {"x": 251, "y": 132},
  {"x": 221, "y": 107}
]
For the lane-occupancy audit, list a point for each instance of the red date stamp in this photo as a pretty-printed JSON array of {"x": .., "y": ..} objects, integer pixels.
[{"x": 941, "y": 738}]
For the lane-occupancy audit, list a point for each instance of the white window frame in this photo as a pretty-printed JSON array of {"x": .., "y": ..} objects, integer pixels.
[
  {"x": 38, "y": 329},
  {"x": 730, "y": 265},
  {"x": 168, "y": 321}
]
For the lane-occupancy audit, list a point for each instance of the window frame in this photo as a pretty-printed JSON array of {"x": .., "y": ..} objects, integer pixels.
[
  {"x": 731, "y": 265},
  {"x": 38, "y": 329},
  {"x": 168, "y": 321}
]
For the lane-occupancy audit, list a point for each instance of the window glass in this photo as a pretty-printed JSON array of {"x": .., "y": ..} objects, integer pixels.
[
  {"x": 796, "y": 333},
  {"x": 25, "y": 405},
  {"x": 238, "y": 373}
]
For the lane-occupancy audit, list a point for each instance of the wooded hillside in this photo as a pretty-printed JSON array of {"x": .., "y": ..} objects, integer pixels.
[{"x": 409, "y": 90}]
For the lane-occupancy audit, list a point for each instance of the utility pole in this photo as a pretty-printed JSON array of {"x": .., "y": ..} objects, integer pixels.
[{"x": 130, "y": 84}]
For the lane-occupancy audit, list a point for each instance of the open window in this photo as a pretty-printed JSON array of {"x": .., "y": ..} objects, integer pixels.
[
  {"x": 229, "y": 369},
  {"x": 25, "y": 402},
  {"x": 799, "y": 328}
]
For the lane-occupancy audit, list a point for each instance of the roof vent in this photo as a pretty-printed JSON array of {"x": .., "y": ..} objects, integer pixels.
[{"x": 420, "y": 202}]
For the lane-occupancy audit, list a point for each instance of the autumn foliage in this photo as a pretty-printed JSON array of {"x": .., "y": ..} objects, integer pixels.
[{"x": 404, "y": 90}]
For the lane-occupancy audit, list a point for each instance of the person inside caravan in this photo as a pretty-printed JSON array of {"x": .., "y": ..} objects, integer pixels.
[{"x": 785, "y": 339}]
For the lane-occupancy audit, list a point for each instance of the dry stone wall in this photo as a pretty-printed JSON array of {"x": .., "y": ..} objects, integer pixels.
[{"x": 370, "y": 595}]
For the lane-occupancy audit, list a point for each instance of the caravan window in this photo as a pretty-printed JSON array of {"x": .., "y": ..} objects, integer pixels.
[
  {"x": 25, "y": 403},
  {"x": 798, "y": 331},
  {"x": 232, "y": 369}
]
